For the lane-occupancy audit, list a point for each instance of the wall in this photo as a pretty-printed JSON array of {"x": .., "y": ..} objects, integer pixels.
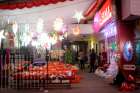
[
  {"x": 137, "y": 33},
  {"x": 130, "y": 9}
]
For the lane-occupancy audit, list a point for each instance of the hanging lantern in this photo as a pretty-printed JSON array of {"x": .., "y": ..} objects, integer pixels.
[{"x": 76, "y": 30}]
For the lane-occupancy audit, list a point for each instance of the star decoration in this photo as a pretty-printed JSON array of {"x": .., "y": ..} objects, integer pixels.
[{"x": 78, "y": 16}]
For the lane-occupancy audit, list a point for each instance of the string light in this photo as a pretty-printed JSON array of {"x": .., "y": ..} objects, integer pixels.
[
  {"x": 15, "y": 27},
  {"x": 40, "y": 25},
  {"x": 2, "y": 35},
  {"x": 58, "y": 24}
]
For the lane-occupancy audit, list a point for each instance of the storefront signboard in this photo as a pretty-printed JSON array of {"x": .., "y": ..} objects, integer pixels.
[
  {"x": 102, "y": 16},
  {"x": 129, "y": 67},
  {"x": 110, "y": 30}
]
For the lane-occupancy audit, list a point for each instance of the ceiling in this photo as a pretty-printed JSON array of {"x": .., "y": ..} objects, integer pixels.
[{"x": 49, "y": 13}]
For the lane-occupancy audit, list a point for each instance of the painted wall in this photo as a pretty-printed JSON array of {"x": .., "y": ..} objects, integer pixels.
[{"x": 129, "y": 8}]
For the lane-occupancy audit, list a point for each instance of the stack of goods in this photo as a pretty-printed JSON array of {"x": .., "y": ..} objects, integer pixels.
[{"x": 52, "y": 71}]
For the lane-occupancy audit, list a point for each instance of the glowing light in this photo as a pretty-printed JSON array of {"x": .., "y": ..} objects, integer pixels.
[
  {"x": 78, "y": 16},
  {"x": 15, "y": 27},
  {"x": 1, "y": 35},
  {"x": 92, "y": 43},
  {"x": 64, "y": 29},
  {"x": 34, "y": 43},
  {"x": 103, "y": 16},
  {"x": 66, "y": 35},
  {"x": 26, "y": 40},
  {"x": 43, "y": 38},
  {"x": 27, "y": 27},
  {"x": 110, "y": 30},
  {"x": 40, "y": 25},
  {"x": 58, "y": 24},
  {"x": 76, "y": 30},
  {"x": 53, "y": 40},
  {"x": 61, "y": 38},
  {"x": 129, "y": 46}
]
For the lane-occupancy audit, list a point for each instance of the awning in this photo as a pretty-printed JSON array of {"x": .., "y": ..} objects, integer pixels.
[{"x": 90, "y": 12}]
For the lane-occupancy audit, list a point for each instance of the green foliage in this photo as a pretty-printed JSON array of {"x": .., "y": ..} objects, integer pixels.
[{"x": 68, "y": 56}]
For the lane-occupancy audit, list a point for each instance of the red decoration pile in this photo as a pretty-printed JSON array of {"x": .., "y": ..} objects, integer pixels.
[
  {"x": 129, "y": 85},
  {"x": 52, "y": 71}
]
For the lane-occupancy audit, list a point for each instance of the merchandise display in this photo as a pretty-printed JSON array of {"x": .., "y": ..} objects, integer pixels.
[{"x": 54, "y": 72}]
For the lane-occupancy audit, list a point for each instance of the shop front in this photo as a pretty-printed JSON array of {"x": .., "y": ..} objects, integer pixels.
[
  {"x": 118, "y": 42},
  {"x": 105, "y": 24}
]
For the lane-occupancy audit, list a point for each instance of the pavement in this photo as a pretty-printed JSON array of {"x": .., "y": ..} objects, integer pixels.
[{"x": 89, "y": 84}]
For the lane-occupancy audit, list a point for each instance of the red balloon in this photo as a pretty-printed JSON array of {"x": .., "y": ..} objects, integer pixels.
[
  {"x": 29, "y": 4},
  {"x": 21, "y": 5}
]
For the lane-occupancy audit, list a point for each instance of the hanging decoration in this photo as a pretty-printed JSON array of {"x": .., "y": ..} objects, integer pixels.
[
  {"x": 76, "y": 30},
  {"x": 27, "y": 3},
  {"x": 40, "y": 25},
  {"x": 58, "y": 24},
  {"x": 2, "y": 35},
  {"x": 78, "y": 16},
  {"x": 15, "y": 27}
]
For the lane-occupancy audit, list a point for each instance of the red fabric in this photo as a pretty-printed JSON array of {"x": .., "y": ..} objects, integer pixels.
[{"x": 30, "y": 4}]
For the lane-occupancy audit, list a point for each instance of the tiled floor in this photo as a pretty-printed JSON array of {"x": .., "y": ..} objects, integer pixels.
[{"x": 89, "y": 84}]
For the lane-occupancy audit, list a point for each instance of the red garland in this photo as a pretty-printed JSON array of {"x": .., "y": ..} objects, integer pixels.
[
  {"x": 30, "y": 4},
  {"x": 20, "y": 5}
]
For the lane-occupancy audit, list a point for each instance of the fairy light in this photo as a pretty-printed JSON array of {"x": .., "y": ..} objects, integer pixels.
[
  {"x": 58, "y": 24},
  {"x": 40, "y": 25},
  {"x": 2, "y": 35}
]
